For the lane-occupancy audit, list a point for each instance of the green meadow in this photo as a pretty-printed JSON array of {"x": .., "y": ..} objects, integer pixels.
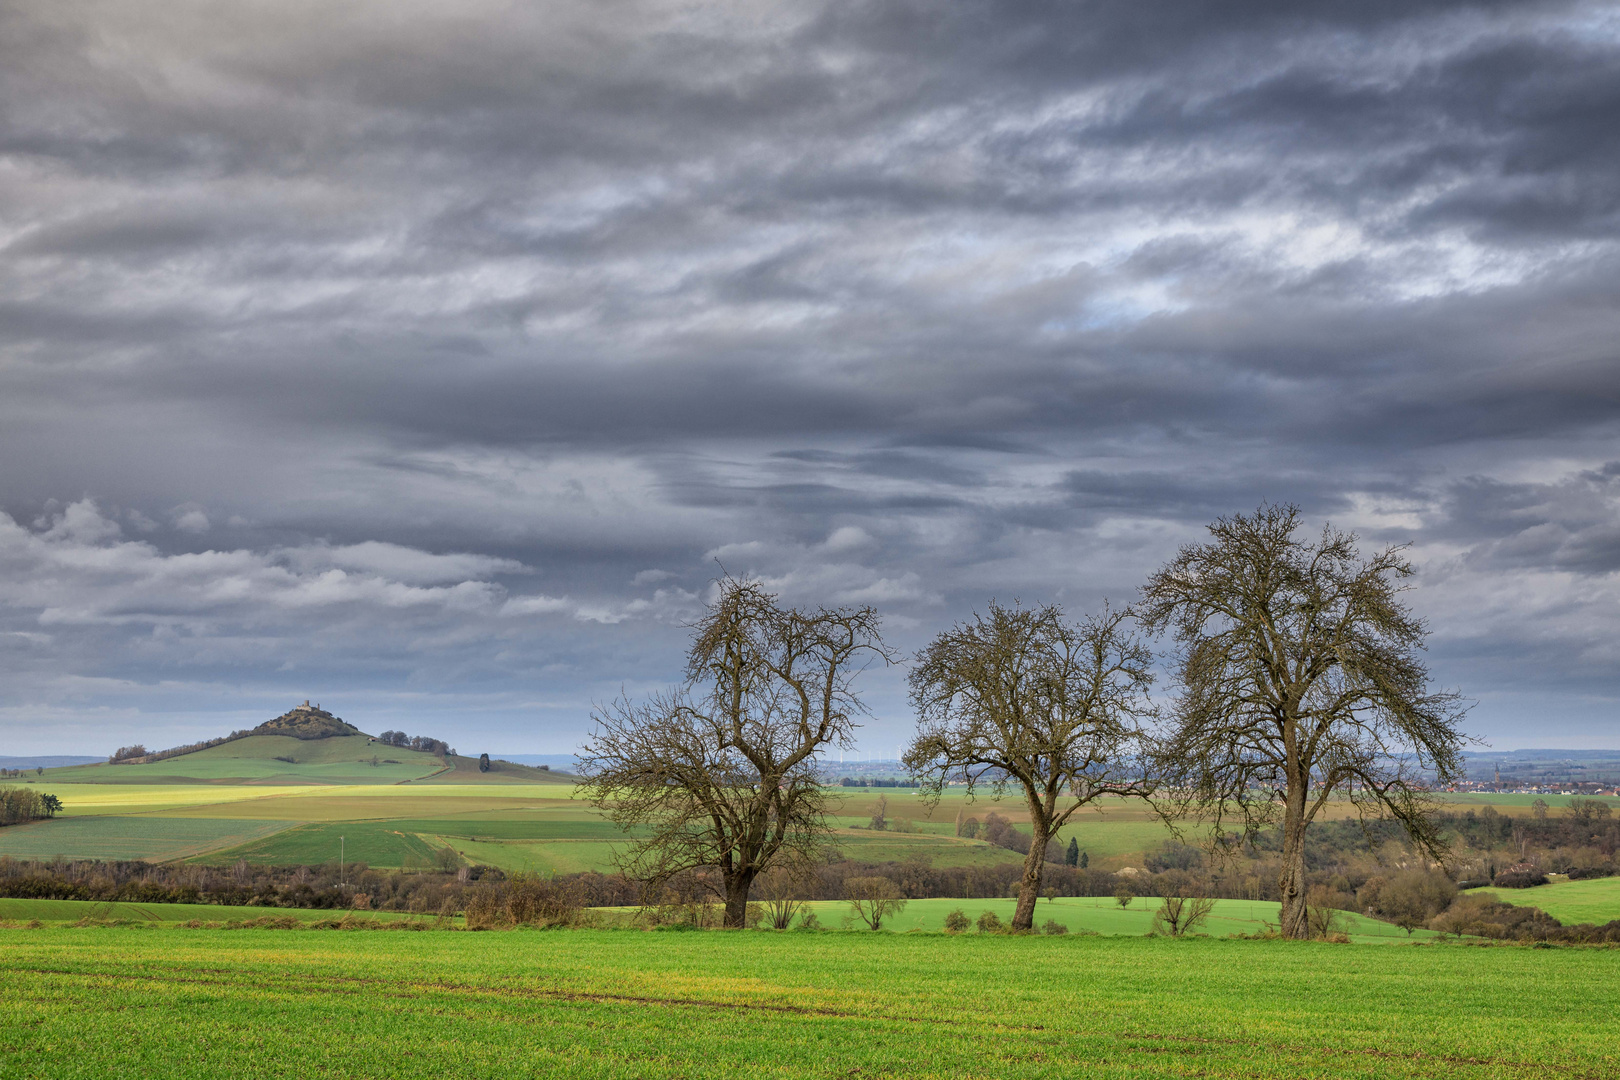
[
  {"x": 1104, "y": 915},
  {"x": 155, "y": 839},
  {"x": 1594, "y": 901},
  {"x": 171, "y": 1002}
]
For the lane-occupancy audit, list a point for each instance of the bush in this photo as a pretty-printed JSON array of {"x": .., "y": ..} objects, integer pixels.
[
  {"x": 1174, "y": 855},
  {"x": 1520, "y": 878},
  {"x": 873, "y": 899},
  {"x": 1000, "y": 833},
  {"x": 1409, "y": 899},
  {"x": 1052, "y": 926},
  {"x": 525, "y": 900},
  {"x": 957, "y": 921},
  {"x": 1179, "y": 915},
  {"x": 1485, "y": 916},
  {"x": 990, "y": 923}
]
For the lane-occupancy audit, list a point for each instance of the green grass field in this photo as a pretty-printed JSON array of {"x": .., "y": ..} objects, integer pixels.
[
  {"x": 375, "y": 843},
  {"x": 98, "y": 1002},
  {"x": 1593, "y": 901},
  {"x": 1103, "y": 915},
  {"x": 151, "y": 838}
]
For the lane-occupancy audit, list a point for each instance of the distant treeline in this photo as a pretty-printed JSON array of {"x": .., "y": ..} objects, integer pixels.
[
  {"x": 876, "y": 781},
  {"x": 23, "y": 804},
  {"x": 1580, "y": 841},
  {"x": 416, "y": 742}
]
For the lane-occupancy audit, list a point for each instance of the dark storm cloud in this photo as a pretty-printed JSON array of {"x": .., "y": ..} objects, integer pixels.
[{"x": 475, "y": 336}]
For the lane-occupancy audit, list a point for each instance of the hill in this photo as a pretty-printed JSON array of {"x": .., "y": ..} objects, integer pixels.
[
  {"x": 305, "y": 745},
  {"x": 307, "y": 722},
  {"x": 268, "y": 760}
]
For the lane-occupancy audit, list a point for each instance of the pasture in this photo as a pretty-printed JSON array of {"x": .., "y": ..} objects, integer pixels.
[
  {"x": 1103, "y": 915},
  {"x": 155, "y": 839},
  {"x": 1596, "y": 900},
  {"x": 172, "y": 1002}
]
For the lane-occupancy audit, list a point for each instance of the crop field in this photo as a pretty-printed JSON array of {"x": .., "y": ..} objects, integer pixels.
[
  {"x": 519, "y": 819},
  {"x": 83, "y": 800},
  {"x": 152, "y": 838},
  {"x": 1593, "y": 901},
  {"x": 515, "y": 826},
  {"x": 74, "y": 910},
  {"x": 934, "y": 850},
  {"x": 357, "y": 803},
  {"x": 170, "y": 1002},
  {"x": 539, "y": 856},
  {"x": 375, "y": 843}
]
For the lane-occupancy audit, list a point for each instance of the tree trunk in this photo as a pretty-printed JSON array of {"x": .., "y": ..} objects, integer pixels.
[
  {"x": 1291, "y": 882},
  {"x": 1029, "y": 886},
  {"x": 737, "y": 889}
]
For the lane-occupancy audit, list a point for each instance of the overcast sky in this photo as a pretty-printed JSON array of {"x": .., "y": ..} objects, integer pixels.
[{"x": 426, "y": 360}]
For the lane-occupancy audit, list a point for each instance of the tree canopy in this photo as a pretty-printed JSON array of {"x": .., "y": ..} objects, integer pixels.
[
  {"x": 720, "y": 772},
  {"x": 1022, "y": 697},
  {"x": 1300, "y": 680}
]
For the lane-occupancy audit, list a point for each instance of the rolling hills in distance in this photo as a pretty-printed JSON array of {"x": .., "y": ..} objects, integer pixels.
[{"x": 307, "y": 788}]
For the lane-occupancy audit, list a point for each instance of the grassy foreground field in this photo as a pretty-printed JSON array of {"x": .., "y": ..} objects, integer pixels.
[{"x": 97, "y": 1002}]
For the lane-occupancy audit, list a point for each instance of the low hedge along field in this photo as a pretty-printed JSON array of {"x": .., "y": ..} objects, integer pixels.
[{"x": 167, "y": 1002}]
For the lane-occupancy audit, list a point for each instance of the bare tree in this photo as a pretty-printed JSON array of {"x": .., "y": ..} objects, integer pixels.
[
  {"x": 1299, "y": 681},
  {"x": 783, "y": 891},
  {"x": 1179, "y": 915},
  {"x": 1022, "y": 697},
  {"x": 880, "y": 814},
  {"x": 873, "y": 899},
  {"x": 721, "y": 772}
]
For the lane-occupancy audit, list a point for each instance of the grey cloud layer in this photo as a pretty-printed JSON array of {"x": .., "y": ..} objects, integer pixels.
[{"x": 883, "y": 301}]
